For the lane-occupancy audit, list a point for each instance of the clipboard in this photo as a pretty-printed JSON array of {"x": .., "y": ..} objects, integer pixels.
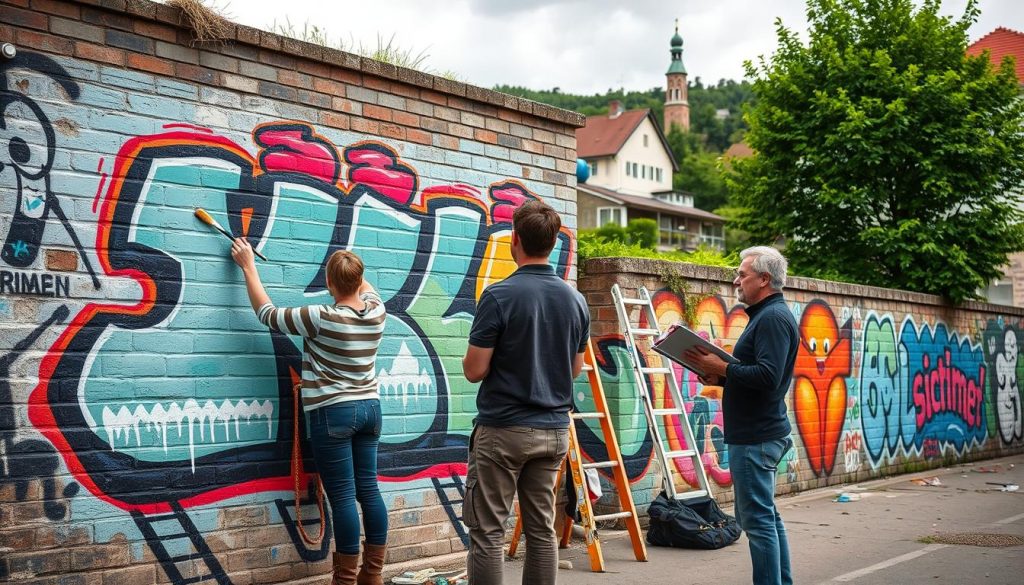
[{"x": 681, "y": 338}]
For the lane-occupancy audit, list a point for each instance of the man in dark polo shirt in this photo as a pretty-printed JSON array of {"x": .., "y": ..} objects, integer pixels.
[
  {"x": 757, "y": 427},
  {"x": 526, "y": 347}
]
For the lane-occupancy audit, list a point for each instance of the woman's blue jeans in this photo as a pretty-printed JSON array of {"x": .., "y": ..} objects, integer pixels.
[
  {"x": 345, "y": 438},
  {"x": 753, "y": 480}
]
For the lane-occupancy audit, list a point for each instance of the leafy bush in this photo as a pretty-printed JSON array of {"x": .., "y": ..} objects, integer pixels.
[
  {"x": 643, "y": 232},
  {"x": 591, "y": 244},
  {"x": 611, "y": 232}
]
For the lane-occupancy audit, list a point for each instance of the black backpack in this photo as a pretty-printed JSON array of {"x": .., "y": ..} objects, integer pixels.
[{"x": 697, "y": 523}]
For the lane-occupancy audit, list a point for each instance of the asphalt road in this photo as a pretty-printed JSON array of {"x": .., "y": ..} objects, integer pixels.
[{"x": 895, "y": 531}]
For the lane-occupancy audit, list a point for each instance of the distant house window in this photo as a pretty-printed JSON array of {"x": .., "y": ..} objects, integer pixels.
[
  {"x": 645, "y": 140},
  {"x": 712, "y": 235},
  {"x": 593, "y": 169},
  {"x": 1000, "y": 292},
  {"x": 659, "y": 174},
  {"x": 643, "y": 171},
  {"x": 628, "y": 171},
  {"x": 635, "y": 172},
  {"x": 607, "y": 215}
]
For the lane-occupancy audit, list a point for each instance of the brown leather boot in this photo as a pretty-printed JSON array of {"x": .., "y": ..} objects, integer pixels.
[
  {"x": 373, "y": 564},
  {"x": 345, "y": 567}
]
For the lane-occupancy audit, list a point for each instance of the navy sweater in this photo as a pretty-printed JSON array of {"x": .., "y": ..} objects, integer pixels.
[{"x": 754, "y": 399}]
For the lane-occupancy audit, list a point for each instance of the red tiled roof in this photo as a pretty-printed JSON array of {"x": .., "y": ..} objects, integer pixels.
[
  {"x": 739, "y": 150},
  {"x": 1000, "y": 43},
  {"x": 604, "y": 136},
  {"x": 651, "y": 204}
]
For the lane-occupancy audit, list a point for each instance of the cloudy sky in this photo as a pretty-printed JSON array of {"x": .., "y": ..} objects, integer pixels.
[{"x": 580, "y": 46}]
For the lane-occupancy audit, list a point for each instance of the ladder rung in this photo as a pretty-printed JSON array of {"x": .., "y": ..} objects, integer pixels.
[
  {"x": 613, "y": 516},
  {"x": 582, "y": 415},
  {"x": 666, "y": 412},
  {"x": 691, "y": 494},
  {"x": 656, "y": 370},
  {"x": 626, "y": 301},
  {"x": 645, "y": 332},
  {"x": 600, "y": 464},
  {"x": 680, "y": 454},
  {"x": 587, "y": 368}
]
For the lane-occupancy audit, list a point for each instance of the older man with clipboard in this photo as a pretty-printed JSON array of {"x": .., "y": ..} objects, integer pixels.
[{"x": 757, "y": 427}]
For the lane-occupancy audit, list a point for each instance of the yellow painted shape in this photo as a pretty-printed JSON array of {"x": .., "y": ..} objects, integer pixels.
[{"x": 497, "y": 263}]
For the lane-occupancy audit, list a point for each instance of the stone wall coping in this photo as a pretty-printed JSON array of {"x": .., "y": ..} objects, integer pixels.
[
  {"x": 657, "y": 267},
  {"x": 238, "y": 33}
]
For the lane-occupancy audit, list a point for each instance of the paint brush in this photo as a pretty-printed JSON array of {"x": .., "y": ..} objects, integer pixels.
[{"x": 208, "y": 220}]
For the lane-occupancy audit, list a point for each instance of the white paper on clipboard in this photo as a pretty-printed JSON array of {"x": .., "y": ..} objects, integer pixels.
[{"x": 681, "y": 338}]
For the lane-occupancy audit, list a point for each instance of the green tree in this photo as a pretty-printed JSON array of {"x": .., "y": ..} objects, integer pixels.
[
  {"x": 699, "y": 170},
  {"x": 885, "y": 154}
]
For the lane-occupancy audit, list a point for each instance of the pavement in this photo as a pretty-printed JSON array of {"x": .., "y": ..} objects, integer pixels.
[{"x": 893, "y": 531}]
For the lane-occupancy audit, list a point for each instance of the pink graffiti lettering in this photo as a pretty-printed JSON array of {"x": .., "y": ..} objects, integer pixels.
[
  {"x": 381, "y": 171},
  {"x": 297, "y": 150},
  {"x": 947, "y": 389}
]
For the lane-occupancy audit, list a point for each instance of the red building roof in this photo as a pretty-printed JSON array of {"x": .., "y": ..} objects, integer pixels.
[
  {"x": 1002, "y": 42},
  {"x": 604, "y": 136}
]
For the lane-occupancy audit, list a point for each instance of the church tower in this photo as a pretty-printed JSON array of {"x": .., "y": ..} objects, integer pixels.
[{"x": 677, "y": 109}]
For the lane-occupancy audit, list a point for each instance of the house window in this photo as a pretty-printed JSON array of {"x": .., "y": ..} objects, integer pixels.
[
  {"x": 1000, "y": 292},
  {"x": 712, "y": 234},
  {"x": 635, "y": 172},
  {"x": 669, "y": 235},
  {"x": 593, "y": 169},
  {"x": 628, "y": 172},
  {"x": 606, "y": 215},
  {"x": 645, "y": 140},
  {"x": 659, "y": 174},
  {"x": 643, "y": 171}
]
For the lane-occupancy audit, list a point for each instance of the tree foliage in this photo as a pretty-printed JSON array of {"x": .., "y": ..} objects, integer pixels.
[{"x": 885, "y": 154}]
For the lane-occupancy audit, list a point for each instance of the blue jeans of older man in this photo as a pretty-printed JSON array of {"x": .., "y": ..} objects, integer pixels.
[{"x": 753, "y": 479}]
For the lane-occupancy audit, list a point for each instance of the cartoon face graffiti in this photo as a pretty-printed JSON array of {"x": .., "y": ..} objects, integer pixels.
[
  {"x": 819, "y": 395},
  {"x": 27, "y": 144},
  {"x": 26, "y": 155}
]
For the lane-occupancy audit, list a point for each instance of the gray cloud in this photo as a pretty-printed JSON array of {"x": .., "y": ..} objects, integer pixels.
[{"x": 580, "y": 46}]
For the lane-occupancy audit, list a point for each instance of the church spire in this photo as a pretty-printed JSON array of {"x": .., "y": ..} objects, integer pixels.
[
  {"x": 677, "y": 108},
  {"x": 677, "y": 53}
]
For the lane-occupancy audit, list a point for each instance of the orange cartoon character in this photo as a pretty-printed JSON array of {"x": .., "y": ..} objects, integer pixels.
[{"x": 819, "y": 399}]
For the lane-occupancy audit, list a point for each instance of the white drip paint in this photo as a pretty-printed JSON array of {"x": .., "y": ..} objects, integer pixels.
[
  {"x": 126, "y": 421},
  {"x": 405, "y": 378}
]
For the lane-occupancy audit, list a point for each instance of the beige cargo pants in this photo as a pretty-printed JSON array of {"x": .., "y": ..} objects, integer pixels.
[{"x": 504, "y": 461}]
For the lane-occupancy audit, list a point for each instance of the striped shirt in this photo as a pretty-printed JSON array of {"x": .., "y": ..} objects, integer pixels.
[{"x": 339, "y": 348}]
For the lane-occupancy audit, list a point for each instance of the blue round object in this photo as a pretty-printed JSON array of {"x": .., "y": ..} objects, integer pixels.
[{"x": 582, "y": 171}]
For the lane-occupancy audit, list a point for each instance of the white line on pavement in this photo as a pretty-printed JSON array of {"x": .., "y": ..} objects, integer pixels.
[
  {"x": 885, "y": 564},
  {"x": 847, "y": 577},
  {"x": 1009, "y": 520}
]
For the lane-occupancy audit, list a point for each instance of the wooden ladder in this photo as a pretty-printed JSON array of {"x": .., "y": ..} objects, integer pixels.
[{"x": 576, "y": 464}]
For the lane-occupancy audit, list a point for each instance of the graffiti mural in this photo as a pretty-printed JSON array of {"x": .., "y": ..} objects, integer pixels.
[
  {"x": 171, "y": 397},
  {"x": 427, "y": 252},
  {"x": 924, "y": 387},
  {"x": 819, "y": 384},
  {"x": 1005, "y": 362}
]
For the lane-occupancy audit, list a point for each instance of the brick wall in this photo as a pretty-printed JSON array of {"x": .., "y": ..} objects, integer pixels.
[
  {"x": 144, "y": 413},
  {"x": 887, "y": 382}
]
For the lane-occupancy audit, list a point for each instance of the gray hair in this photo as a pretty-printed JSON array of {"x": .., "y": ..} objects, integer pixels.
[{"x": 768, "y": 260}]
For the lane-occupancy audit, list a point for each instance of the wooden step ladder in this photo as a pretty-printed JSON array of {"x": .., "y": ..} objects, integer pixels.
[
  {"x": 574, "y": 461},
  {"x": 659, "y": 415}
]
